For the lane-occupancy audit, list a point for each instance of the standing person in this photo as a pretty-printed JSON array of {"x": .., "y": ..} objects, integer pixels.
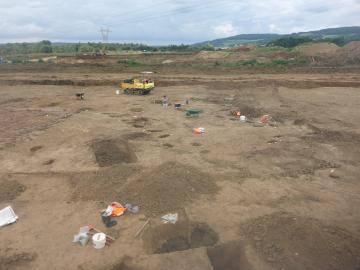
[{"x": 165, "y": 101}]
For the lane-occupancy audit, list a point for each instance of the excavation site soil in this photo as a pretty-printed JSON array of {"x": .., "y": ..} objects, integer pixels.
[{"x": 274, "y": 192}]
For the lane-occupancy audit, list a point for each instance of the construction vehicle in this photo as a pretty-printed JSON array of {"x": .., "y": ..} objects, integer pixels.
[{"x": 141, "y": 86}]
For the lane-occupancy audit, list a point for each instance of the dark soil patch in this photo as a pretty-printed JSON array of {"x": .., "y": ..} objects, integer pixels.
[
  {"x": 136, "y": 109},
  {"x": 337, "y": 136},
  {"x": 36, "y": 148},
  {"x": 49, "y": 162},
  {"x": 168, "y": 145},
  {"x": 229, "y": 256},
  {"x": 247, "y": 104},
  {"x": 135, "y": 136},
  {"x": 196, "y": 144},
  {"x": 306, "y": 167},
  {"x": 103, "y": 185},
  {"x": 275, "y": 139},
  {"x": 16, "y": 260},
  {"x": 250, "y": 111},
  {"x": 334, "y": 175},
  {"x": 295, "y": 243},
  {"x": 174, "y": 244},
  {"x": 124, "y": 264},
  {"x": 110, "y": 152},
  {"x": 294, "y": 160},
  {"x": 140, "y": 122},
  {"x": 168, "y": 187},
  {"x": 213, "y": 99},
  {"x": 154, "y": 130},
  {"x": 12, "y": 100},
  {"x": 115, "y": 115},
  {"x": 205, "y": 151},
  {"x": 299, "y": 122},
  {"x": 10, "y": 190},
  {"x": 325, "y": 136},
  {"x": 201, "y": 236},
  {"x": 164, "y": 136},
  {"x": 167, "y": 238},
  {"x": 53, "y": 104}
]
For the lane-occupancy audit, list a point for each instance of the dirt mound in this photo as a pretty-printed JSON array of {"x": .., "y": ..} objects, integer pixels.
[
  {"x": 350, "y": 54},
  {"x": 110, "y": 152},
  {"x": 317, "y": 49},
  {"x": 247, "y": 105},
  {"x": 288, "y": 242},
  {"x": 10, "y": 189},
  {"x": 168, "y": 187},
  {"x": 353, "y": 46},
  {"x": 212, "y": 55},
  {"x": 250, "y": 111},
  {"x": 103, "y": 185},
  {"x": 347, "y": 55},
  {"x": 243, "y": 48}
]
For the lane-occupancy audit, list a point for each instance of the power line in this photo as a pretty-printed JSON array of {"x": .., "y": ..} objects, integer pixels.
[
  {"x": 186, "y": 9},
  {"x": 105, "y": 34}
]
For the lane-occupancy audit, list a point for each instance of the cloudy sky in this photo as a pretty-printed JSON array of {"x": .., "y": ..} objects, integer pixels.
[{"x": 167, "y": 21}]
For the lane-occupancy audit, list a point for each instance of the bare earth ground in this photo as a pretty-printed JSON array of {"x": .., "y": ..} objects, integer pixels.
[{"x": 284, "y": 196}]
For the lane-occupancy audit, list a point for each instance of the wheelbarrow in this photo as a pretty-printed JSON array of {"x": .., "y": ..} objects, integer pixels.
[{"x": 193, "y": 112}]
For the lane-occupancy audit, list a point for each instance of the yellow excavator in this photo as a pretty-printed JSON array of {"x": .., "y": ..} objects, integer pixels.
[{"x": 141, "y": 86}]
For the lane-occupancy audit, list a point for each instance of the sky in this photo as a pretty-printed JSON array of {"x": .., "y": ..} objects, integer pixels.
[{"x": 160, "y": 22}]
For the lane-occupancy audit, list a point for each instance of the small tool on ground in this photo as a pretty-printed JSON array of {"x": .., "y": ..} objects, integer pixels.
[
  {"x": 80, "y": 96},
  {"x": 142, "y": 228}
]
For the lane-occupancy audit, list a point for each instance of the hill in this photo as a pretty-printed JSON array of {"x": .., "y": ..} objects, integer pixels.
[
  {"x": 241, "y": 39},
  {"x": 348, "y": 34}
]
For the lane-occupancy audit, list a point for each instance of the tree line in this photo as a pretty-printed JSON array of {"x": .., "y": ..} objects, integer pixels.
[
  {"x": 46, "y": 47},
  {"x": 293, "y": 41}
]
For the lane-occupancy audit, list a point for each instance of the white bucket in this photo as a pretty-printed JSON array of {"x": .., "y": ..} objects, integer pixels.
[
  {"x": 117, "y": 92},
  {"x": 243, "y": 118},
  {"x": 99, "y": 240}
]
